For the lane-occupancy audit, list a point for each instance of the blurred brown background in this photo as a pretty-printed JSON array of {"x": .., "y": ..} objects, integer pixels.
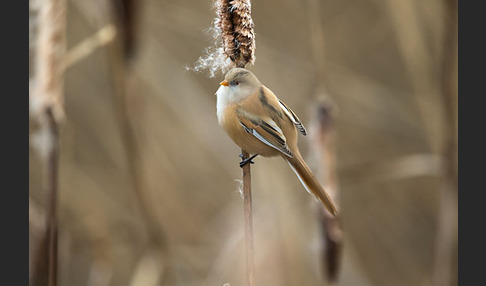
[{"x": 148, "y": 192}]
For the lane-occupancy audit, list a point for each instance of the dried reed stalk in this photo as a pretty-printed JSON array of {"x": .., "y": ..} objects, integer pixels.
[
  {"x": 52, "y": 187},
  {"x": 236, "y": 27},
  {"x": 126, "y": 13},
  {"x": 49, "y": 65},
  {"x": 86, "y": 47},
  {"x": 317, "y": 44},
  {"x": 323, "y": 145},
  {"x": 46, "y": 105},
  {"x": 119, "y": 74},
  {"x": 250, "y": 259},
  {"x": 445, "y": 248}
]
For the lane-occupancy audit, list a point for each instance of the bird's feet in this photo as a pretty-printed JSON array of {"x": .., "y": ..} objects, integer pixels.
[{"x": 245, "y": 161}]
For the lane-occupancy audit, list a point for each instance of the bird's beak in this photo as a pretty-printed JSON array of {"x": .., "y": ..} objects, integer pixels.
[{"x": 224, "y": 82}]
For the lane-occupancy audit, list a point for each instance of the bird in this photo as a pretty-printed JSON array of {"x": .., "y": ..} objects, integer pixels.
[{"x": 262, "y": 124}]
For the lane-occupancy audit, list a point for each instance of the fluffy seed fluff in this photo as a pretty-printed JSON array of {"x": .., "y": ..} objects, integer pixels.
[
  {"x": 240, "y": 187},
  {"x": 234, "y": 36}
]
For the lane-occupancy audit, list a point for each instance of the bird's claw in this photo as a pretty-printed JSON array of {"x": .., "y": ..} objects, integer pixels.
[{"x": 245, "y": 161}]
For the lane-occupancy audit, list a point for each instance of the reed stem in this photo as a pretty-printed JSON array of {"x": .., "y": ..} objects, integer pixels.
[
  {"x": 46, "y": 105},
  {"x": 250, "y": 261},
  {"x": 52, "y": 187}
]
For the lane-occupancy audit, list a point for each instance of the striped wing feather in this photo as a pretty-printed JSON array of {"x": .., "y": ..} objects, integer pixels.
[
  {"x": 291, "y": 115},
  {"x": 267, "y": 131}
]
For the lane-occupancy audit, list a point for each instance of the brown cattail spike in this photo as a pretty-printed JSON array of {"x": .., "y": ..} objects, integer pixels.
[{"x": 237, "y": 31}]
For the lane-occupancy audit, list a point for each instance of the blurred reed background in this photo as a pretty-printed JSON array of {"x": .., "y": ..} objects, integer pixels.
[{"x": 148, "y": 191}]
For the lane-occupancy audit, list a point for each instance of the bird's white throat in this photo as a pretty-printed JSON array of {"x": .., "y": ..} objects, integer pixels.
[
  {"x": 229, "y": 95},
  {"x": 225, "y": 96}
]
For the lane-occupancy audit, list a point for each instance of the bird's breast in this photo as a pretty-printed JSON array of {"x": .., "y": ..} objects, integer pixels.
[
  {"x": 222, "y": 102},
  {"x": 232, "y": 126}
]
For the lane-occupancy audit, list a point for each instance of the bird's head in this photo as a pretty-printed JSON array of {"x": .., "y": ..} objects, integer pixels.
[{"x": 237, "y": 85}]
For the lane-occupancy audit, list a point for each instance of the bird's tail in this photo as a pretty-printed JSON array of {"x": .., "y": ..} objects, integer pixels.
[{"x": 309, "y": 182}]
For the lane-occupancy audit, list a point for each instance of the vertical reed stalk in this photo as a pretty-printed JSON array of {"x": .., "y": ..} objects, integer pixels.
[
  {"x": 447, "y": 224},
  {"x": 236, "y": 27},
  {"x": 46, "y": 104},
  {"x": 118, "y": 59},
  {"x": 52, "y": 188},
  {"x": 250, "y": 260},
  {"x": 323, "y": 147},
  {"x": 323, "y": 144}
]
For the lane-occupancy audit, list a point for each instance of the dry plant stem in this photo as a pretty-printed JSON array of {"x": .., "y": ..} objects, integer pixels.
[
  {"x": 325, "y": 145},
  {"x": 45, "y": 272},
  {"x": 126, "y": 16},
  {"x": 49, "y": 57},
  {"x": 447, "y": 225},
  {"x": 404, "y": 17},
  {"x": 317, "y": 44},
  {"x": 52, "y": 187},
  {"x": 333, "y": 238},
  {"x": 89, "y": 45},
  {"x": 131, "y": 147},
  {"x": 46, "y": 104},
  {"x": 332, "y": 227},
  {"x": 250, "y": 260},
  {"x": 157, "y": 236},
  {"x": 236, "y": 27}
]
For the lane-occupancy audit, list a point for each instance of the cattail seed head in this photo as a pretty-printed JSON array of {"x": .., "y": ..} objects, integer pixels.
[
  {"x": 237, "y": 31},
  {"x": 234, "y": 37}
]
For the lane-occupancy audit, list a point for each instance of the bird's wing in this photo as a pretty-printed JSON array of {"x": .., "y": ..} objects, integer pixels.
[
  {"x": 291, "y": 115},
  {"x": 265, "y": 130}
]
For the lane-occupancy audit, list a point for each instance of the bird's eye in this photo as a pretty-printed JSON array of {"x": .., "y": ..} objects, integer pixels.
[{"x": 237, "y": 82}]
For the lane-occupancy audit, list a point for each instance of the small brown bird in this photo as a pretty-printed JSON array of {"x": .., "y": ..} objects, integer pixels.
[{"x": 261, "y": 124}]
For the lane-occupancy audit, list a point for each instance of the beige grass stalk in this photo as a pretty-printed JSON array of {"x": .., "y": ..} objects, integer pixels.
[
  {"x": 236, "y": 27},
  {"x": 120, "y": 73},
  {"x": 86, "y": 47},
  {"x": 445, "y": 248},
  {"x": 46, "y": 106},
  {"x": 323, "y": 144}
]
